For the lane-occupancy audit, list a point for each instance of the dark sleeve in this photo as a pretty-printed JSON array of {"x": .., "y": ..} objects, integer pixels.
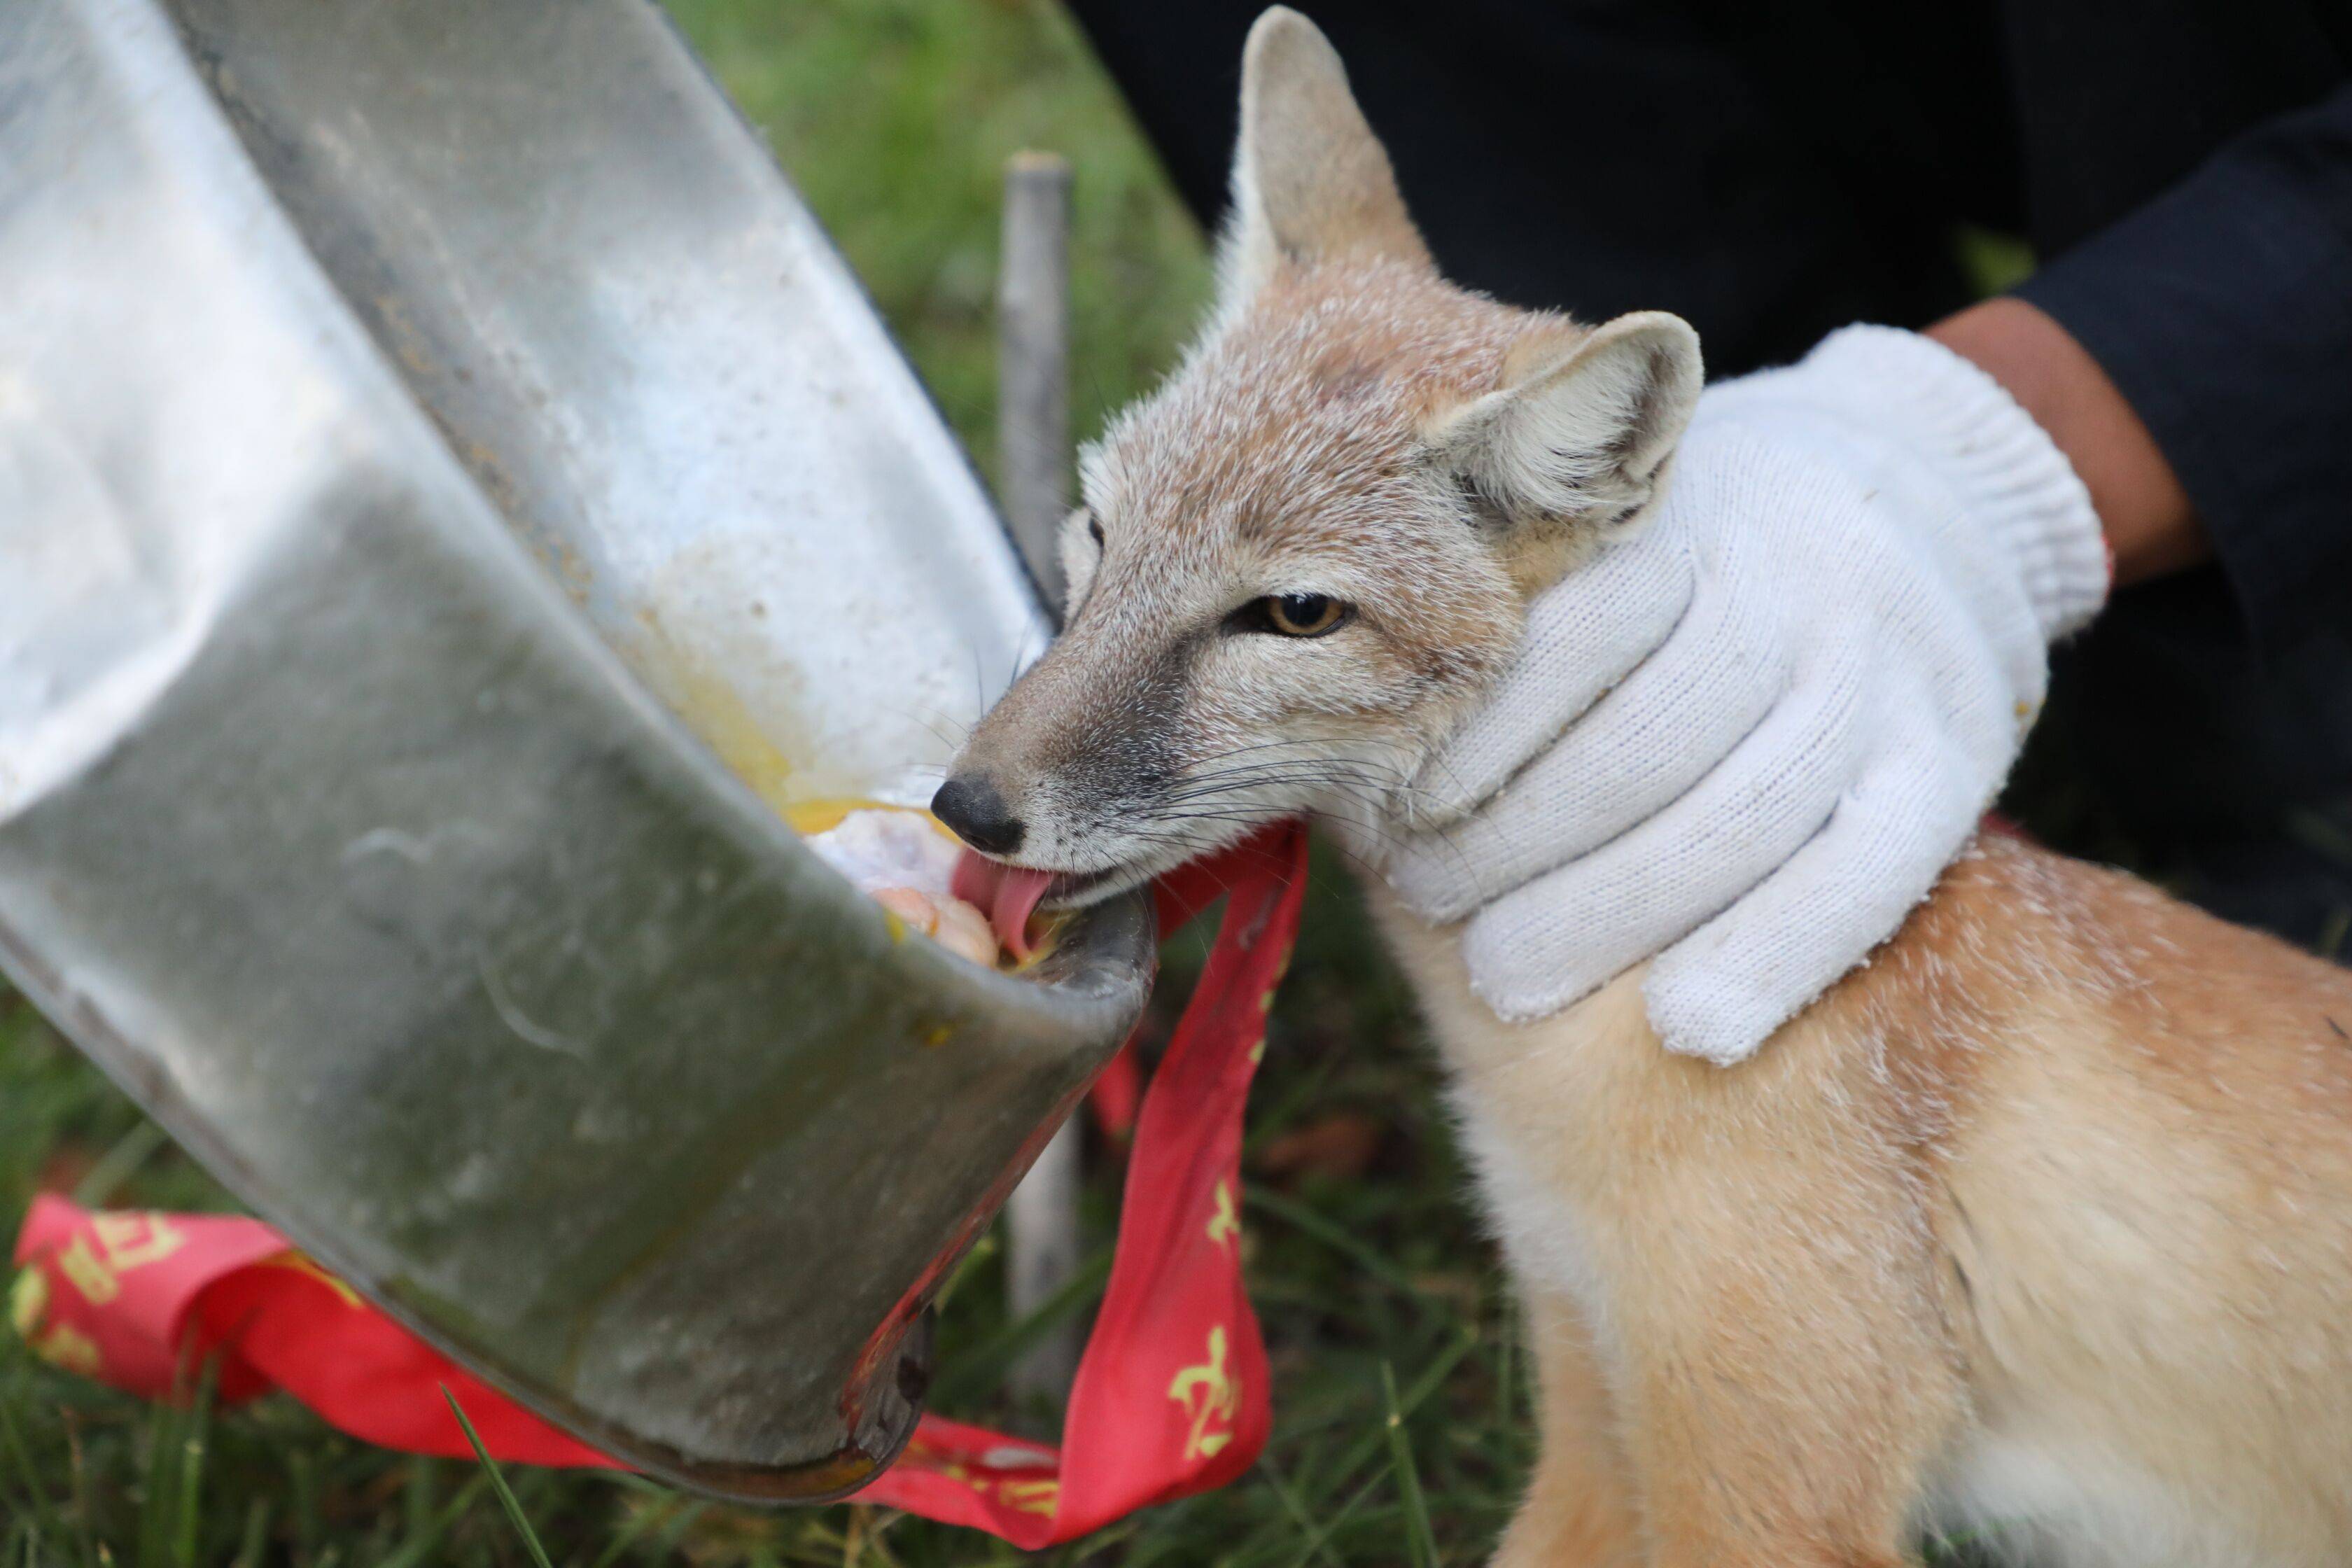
[
  {"x": 2222, "y": 309},
  {"x": 1600, "y": 158}
]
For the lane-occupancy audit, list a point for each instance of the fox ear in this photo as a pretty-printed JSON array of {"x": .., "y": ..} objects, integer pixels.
[
  {"x": 1310, "y": 179},
  {"x": 1577, "y": 444}
]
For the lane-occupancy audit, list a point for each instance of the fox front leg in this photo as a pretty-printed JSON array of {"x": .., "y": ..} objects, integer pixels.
[
  {"x": 1786, "y": 1375},
  {"x": 1581, "y": 1509}
]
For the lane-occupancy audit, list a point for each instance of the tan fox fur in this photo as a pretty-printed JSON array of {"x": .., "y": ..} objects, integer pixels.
[{"x": 2042, "y": 1218}]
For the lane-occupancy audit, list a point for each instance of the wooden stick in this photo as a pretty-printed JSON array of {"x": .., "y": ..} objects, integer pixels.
[
  {"x": 1040, "y": 1257},
  {"x": 1032, "y": 364},
  {"x": 1033, "y": 468}
]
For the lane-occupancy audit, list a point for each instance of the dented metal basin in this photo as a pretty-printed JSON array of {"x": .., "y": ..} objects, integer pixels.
[{"x": 451, "y": 497}]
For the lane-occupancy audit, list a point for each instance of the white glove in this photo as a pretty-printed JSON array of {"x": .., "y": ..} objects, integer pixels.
[{"x": 1748, "y": 739}]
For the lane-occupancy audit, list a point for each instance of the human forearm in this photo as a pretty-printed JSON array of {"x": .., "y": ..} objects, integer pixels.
[{"x": 2150, "y": 526}]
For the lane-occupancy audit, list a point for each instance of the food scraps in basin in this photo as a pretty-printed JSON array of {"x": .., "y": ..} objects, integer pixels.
[{"x": 907, "y": 863}]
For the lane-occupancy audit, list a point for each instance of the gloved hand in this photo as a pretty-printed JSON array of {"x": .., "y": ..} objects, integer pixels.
[{"x": 1748, "y": 739}]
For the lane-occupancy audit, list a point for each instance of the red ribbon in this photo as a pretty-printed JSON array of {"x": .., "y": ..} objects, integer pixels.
[{"x": 1170, "y": 1395}]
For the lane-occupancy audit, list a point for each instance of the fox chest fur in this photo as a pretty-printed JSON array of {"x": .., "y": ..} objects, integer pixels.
[{"x": 2047, "y": 1212}]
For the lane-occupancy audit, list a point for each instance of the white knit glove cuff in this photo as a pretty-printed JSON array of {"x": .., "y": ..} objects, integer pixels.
[{"x": 1999, "y": 464}]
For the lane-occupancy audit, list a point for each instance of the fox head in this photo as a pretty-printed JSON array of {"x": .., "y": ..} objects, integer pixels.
[{"x": 1302, "y": 559}]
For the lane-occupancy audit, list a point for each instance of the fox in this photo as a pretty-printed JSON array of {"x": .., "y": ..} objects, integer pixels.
[{"x": 2039, "y": 1224}]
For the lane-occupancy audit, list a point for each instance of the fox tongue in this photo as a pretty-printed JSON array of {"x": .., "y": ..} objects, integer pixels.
[
  {"x": 976, "y": 880},
  {"x": 1009, "y": 893}
]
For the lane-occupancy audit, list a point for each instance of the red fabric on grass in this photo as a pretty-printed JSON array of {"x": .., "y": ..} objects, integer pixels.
[{"x": 1170, "y": 1395}]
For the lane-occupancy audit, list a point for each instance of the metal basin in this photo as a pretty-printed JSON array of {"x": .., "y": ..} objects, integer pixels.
[{"x": 451, "y": 495}]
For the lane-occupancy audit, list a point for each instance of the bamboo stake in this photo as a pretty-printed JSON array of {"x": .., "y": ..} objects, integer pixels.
[
  {"x": 1034, "y": 467},
  {"x": 1032, "y": 366}
]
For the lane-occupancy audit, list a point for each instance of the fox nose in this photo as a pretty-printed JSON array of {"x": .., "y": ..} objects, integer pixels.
[{"x": 971, "y": 806}]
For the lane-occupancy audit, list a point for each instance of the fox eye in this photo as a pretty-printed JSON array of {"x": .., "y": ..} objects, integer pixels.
[
  {"x": 1296, "y": 614},
  {"x": 1094, "y": 530}
]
